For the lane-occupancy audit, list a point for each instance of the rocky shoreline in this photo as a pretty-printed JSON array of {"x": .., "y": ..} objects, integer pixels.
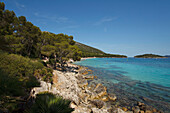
[{"x": 76, "y": 85}]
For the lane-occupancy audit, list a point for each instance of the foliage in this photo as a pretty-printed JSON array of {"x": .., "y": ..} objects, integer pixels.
[
  {"x": 45, "y": 74},
  {"x": 22, "y": 41},
  {"x": 19, "y": 78},
  {"x": 48, "y": 50},
  {"x": 58, "y": 48},
  {"x": 88, "y": 51},
  {"x": 149, "y": 56},
  {"x": 20, "y": 35},
  {"x": 19, "y": 66},
  {"x": 49, "y": 103},
  {"x": 10, "y": 91}
]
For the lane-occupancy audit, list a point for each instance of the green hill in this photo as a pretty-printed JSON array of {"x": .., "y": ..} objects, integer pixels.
[
  {"x": 88, "y": 51},
  {"x": 149, "y": 56}
]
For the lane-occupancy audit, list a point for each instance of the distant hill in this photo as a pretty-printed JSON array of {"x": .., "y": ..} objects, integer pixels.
[
  {"x": 149, "y": 56},
  {"x": 88, "y": 51},
  {"x": 167, "y": 56}
]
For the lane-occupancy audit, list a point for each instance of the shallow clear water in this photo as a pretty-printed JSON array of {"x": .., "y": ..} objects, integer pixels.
[
  {"x": 146, "y": 70},
  {"x": 135, "y": 78}
]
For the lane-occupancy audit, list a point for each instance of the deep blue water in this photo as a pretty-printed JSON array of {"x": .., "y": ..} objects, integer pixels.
[{"x": 139, "y": 77}]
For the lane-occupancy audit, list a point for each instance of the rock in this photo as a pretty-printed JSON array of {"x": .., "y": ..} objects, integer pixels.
[
  {"x": 112, "y": 97},
  {"x": 70, "y": 60},
  {"x": 97, "y": 110},
  {"x": 43, "y": 88},
  {"x": 118, "y": 110},
  {"x": 81, "y": 109},
  {"x": 89, "y": 77},
  {"x": 136, "y": 110},
  {"x": 154, "y": 110},
  {"x": 85, "y": 73},
  {"x": 140, "y": 104},
  {"x": 105, "y": 98},
  {"x": 148, "y": 111},
  {"x": 98, "y": 103},
  {"x": 129, "y": 112},
  {"x": 124, "y": 109},
  {"x": 141, "y": 112},
  {"x": 100, "y": 90},
  {"x": 73, "y": 105}
]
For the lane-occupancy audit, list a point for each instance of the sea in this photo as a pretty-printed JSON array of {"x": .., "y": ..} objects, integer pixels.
[{"x": 134, "y": 79}]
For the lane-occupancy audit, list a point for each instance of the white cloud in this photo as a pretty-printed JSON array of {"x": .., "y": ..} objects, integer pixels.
[
  {"x": 104, "y": 20},
  {"x": 52, "y": 18},
  {"x": 19, "y": 6}
]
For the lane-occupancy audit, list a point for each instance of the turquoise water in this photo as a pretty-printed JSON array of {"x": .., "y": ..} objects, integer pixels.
[
  {"x": 135, "y": 79},
  {"x": 155, "y": 71}
]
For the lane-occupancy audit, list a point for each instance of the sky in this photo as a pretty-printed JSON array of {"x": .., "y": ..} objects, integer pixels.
[{"x": 128, "y": 27}]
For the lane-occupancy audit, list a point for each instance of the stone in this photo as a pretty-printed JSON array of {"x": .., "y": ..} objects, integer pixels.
[
  {"x": 148, "y": 111},
  {"x": 140, "y": 104},
  {"x": 136, "y": 110},
  {"x": 124, "y": 109},
  {"x": 73, "y": 105},
  {"x": 81, "y": 109},
  {"x": 154, "y": 110},
  {"x": 118, "y": 110},
  {"x": 141, "y": 112},
  {"x": 95, "y": 77},
  {"x": 105, "y": 98},
  {"x": 98, "y": 103},
  {"x": 89, "y": 77},
  {"x": 43, "y": 88},
  {"x": 129, "y": 111},
  {"x": 112, "y": 97},
  {"x": 97, "y": 110},
  {"x": 100, "y": 90}
]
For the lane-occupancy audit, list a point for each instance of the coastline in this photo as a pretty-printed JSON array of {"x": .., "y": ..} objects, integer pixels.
[
  {"x": 129, "y": 99},
  {"x": 74, "y": 85},
  {"x": 87, "y": 96},
  {"x": 85, "y": 58}
]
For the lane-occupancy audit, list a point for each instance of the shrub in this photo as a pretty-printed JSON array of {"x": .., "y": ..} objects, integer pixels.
[{"x": 49, "y": 103}]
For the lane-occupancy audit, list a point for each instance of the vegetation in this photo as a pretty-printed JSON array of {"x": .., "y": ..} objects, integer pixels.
[
  {"x": 22, "y": 45},
  {"x": 11, "y": 91},
  {"x": 149, "y": 56},
  {"x": 17, "y": 79},
  {"x": 22, "y": 48},
  {"x": 20, "y": 36},
  {"x": 88, "y": 51},
  {"x": 49, "y": 103}
]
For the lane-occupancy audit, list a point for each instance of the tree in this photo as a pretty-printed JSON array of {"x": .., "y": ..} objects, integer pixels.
[
  {"x": 31, "y": 34},
  {"x": 63, "y": 51},
  {"x": 2, "y": 6}
]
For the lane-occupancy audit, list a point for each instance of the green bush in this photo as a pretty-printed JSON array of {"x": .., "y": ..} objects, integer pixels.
[
  {"x": 45, "y": 74},
  {"x": 19, "y": 66},
  {"x": 11, "y": 89},
  {"x": 49, "y": 103}
]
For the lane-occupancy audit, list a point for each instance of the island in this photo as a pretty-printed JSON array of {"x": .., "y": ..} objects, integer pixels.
[
  {"x": 167, "y": 56},
  {"x": 149, "y": 56}
]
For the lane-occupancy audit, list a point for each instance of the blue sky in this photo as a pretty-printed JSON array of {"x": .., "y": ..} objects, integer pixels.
[{"x": 128, "y": 27}]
